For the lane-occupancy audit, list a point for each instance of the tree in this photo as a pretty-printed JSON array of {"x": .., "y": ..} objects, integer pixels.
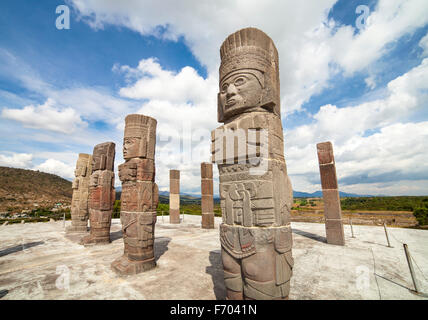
[{"x": 421, "y": 215}]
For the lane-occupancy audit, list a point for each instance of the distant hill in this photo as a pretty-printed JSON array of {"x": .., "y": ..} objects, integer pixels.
[
  {"x": 22, "y": 189},
  {"x": 296, "y": 194},
  {"x": 318, "y": 194},
  {"x": 195, "y": 199}
]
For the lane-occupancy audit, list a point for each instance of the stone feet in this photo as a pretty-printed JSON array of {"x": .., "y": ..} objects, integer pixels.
[
  {"x": 76, "y": 229},
  {"x": 91, "y": 240},
  {"x": 124, "y": 266}
]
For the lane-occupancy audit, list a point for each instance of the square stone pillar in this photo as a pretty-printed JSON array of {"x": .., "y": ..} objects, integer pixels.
[
  {"x": 330, "y": 192},
  {"x": 207, "y": 198},
  {"x": 174, "y": 196}
]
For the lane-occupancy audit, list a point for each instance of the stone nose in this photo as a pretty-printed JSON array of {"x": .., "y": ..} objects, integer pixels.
[{"x": 231, "y": 91}]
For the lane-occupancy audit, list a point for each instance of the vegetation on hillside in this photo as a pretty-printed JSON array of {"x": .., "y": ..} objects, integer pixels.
[
  {"x": 26, "y": 189},
  {"x": 163, "y": 209},
  {"x": 402, "y": 203}
]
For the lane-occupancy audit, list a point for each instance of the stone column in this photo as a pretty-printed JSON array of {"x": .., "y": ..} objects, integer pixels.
[
  {"x": 207, "y": 199},
  {"x": 255, "y": 191},
  {"x": 101, "y": 194},
  {"x": 330, "y": 193},
  {"x": 174, "y": 196},
  {"x": 79, "y": 202},
  {"x": 139, "y": 198}
]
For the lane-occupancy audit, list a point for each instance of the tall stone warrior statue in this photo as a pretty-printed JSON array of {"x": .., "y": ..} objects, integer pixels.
[
  {"x": 79, "y": 202},
  {"x": 101, "y": 194},
  {"x": 255, "y": 190},
  {"x": 139, "y": 198}
]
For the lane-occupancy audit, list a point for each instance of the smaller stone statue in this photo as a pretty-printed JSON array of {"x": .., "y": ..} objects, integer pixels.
[{"x": 101, "y": 194}]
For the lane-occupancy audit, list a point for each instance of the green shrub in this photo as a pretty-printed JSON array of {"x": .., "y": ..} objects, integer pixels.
[
  {"x": 116, "y": 209},
  {"x": 421, "y": 215}
]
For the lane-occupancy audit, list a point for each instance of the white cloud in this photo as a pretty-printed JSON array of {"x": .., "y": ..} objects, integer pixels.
[
  {"x": 391, "y": 20},
  {"x": 59, "y": 164},
  {"x": 374, "y": 142},
  {"x": 311, "y": 48},
  {"x": 184, "y": 105},
  {"x": 423, "y": 43},
  {"x": 370, "y": 82},
  {"x": 56, "y": 167},
  {"x": 16, "y": 160},
  {"x": 46, "y": 117}
]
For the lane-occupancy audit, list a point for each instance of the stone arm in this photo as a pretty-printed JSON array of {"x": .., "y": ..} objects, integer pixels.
[
  {"x": 128, "y": 171},
  {"x": 75, "y": 184}
]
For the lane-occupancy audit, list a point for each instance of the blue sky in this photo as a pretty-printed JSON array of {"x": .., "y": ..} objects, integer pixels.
[{"x": 63, "y": 91}]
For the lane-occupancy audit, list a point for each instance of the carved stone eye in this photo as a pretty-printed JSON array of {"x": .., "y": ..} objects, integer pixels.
[
  {"x": 224, "y": 87},
  {"x": 239, "y": 81}
]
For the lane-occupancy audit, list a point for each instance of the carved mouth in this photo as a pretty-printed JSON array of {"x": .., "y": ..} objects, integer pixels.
[{"x": 230, "y": 102}]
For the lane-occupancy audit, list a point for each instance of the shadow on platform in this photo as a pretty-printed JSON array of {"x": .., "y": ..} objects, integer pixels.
[
  {"x": 310, "y": 235},
  {"x": 161, "y": 246},
  {"x": 215, "y": 270},
  {"x": 20, "y": 247},
  {"x": 115, "y": 235}
]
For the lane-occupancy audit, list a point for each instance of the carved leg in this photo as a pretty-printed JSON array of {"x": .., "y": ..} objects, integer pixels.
[
  {"x": 100, "y": 228},
  {"x": 138, "y": 235},
  {"x": 78, "y": 225},
  {"x": 264, "y": 275},
  {"x": 232, "y": 276}
]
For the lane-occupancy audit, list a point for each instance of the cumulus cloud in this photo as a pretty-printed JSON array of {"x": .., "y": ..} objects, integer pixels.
[
  {"x": 46, "y": 116},
  {"x": 16, "y": 160},
  {"x": 56, "y": 167},
  {"x": 374, "y": 142},
  {"x": 423, "y": 43},
  {"x": 60, "y": 167},
  {"x": 390, "y": 20},
  {"x": 311, "y": 47},
  {"x": 183, "y": 103}
]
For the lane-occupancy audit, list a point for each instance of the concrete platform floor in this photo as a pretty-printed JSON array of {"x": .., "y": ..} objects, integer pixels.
[{"x": 37, "y": 261}]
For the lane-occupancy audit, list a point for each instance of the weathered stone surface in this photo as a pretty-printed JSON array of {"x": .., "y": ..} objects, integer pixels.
[
  {"x": 140, "y": 137},
  {"x": 101, "y": 194},
  {"x": 174, "y": 174},
  {"x": 206, "y": 170},
  {"x": 332, "y": 210},
  {"x": 207, "y": 192},
  {"x": 80, "y": 199},
  {"x": 325, "y": 153},
  {"x": 328, "y": 176},
  {"x": 207, "y": 204},
  {"x": 334, "y": 232},
  {"x": 174, "y": 186},
  {"x": 255, "y": 191},
  {"x": 139, "y": 198},
  {"x": 174, "y": 196}
]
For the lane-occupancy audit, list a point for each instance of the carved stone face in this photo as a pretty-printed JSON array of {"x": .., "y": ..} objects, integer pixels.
[
  {"x": 239, "y": 91},
  {"x": 80, "y": 170},
  {"x": 103, "y": 156},
  {"x": 131, "y": 147}
]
